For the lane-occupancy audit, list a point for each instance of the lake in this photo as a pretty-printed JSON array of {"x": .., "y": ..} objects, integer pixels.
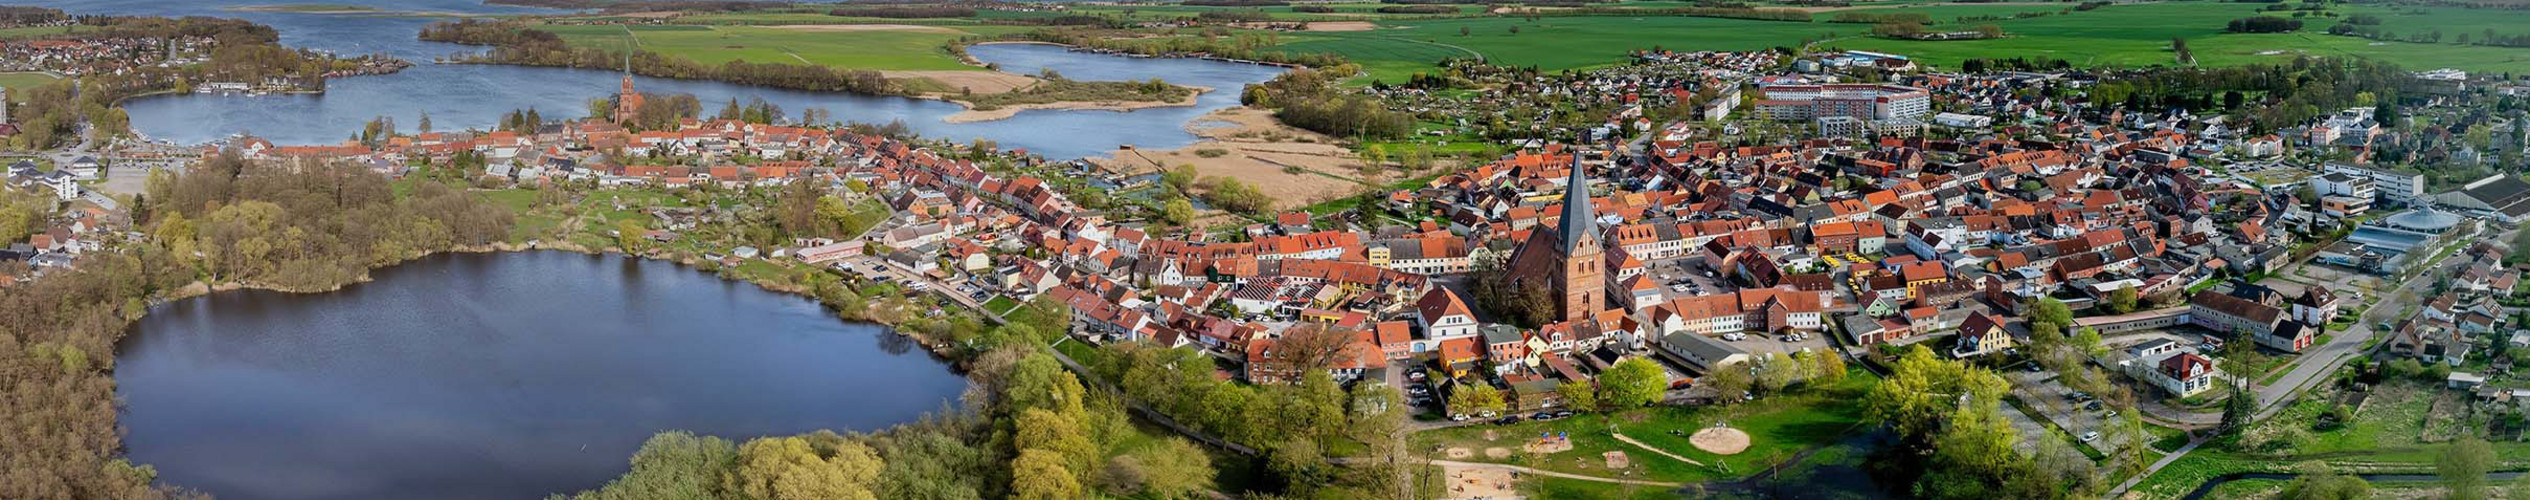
[
  {"x": 507, "y": 376},
  {"x": 458, "y": 96}
]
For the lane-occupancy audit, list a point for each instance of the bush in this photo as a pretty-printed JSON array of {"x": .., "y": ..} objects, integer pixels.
[
  {"x": 1313, "y": 9},
  {"x": 1211, "y": 152}
]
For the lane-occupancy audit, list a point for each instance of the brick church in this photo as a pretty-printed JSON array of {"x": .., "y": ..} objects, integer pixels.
[{"x": 1568, "y": 258}]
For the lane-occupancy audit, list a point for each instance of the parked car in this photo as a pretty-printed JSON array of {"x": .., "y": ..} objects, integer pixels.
[
  {"x": 1462, "y": 417},
  {"x": 1564, "y": 414},
  {"x": 2089, "y": 436},
  {"x": 1507, "y": 420}
]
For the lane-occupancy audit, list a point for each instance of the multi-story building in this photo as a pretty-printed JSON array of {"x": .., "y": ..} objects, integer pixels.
[
  {"x": 2391, "y": 187},
  {"x": 1869, "y": 102}
]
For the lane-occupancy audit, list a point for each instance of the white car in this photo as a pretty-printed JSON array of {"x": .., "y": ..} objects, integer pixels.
[{"x": 2089, "y": 436}]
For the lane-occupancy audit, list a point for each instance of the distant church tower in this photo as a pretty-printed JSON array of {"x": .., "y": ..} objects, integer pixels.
[
  {"x": 1568, "y": 258},
  {"x": 627, "y": 102}
]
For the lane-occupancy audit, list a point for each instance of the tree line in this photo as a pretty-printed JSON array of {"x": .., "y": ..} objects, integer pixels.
[
  {"x": 2294, "y": 91},
  {"x": 2263, "y": 24},
  {"x": 515, "y": 43},
  {"x": 22, "y": 15}
]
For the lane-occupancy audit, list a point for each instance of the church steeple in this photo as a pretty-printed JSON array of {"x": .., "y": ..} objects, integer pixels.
[{"x": 1578, "y": 217}]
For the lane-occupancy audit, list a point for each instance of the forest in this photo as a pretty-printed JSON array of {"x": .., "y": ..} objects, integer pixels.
[
  {"x": 1308, "y": 99},
  {"x": 227, "y": 221},
  {"x": 515, "y": 43}
]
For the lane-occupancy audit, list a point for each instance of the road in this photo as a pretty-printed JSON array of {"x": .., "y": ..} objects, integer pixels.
[{"x": 2319, "y": 361}]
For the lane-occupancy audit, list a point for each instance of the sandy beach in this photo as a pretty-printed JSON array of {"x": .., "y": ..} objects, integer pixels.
[{"x": 1247, "y": 144}]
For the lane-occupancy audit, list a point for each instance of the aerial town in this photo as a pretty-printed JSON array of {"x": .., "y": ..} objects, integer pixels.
[{"x": 1641, "y": 275}]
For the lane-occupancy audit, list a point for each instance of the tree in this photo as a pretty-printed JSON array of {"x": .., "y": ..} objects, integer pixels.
[
  {"x": 1310, "y": 347},
  {"x": 788, "y": 468},
  {"x": 1178, "y": 211},
  {"x": 1633, "y": 383},
  {"x": 1040, "y": 475},
  {"x": 1038, "y": 381},
  {"x": 1463, "y": 31},
  {"x": 2121, "y": 300},
  {"x": 2463, "y": 468},
  {"x": 1176, "y": 468},
  {"x": 1729, "y": 381},
  {"x": 674, "y": 464},
  {"x": 1040, "y": 429},
  {"x": 1471, "y": 398},
  {"x": 1579, "y": 395},
  {"x": 628, "y": 234},
  {"x": 1922, "y": 388},
  {"x": 2242, "y": 406}
]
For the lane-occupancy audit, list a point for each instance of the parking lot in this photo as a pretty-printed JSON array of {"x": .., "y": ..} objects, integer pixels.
[
  {"x": 876, "y": 269},
  {"x": 2078, "y": 416},
  {"x": 1678, "y": 279}
]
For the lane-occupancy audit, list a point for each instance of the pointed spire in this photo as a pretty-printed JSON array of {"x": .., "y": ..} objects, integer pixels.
[{"x": 1578, "y": 218}]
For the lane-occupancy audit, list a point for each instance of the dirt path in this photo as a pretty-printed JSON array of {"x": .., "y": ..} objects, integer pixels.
[
  {"x": 1665, "y": 453},
  {"x": 1549, "y": 473}
]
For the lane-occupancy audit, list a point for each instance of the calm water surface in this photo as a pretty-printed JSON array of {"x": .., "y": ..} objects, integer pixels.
[
  {"x": 494, "y": 376},
  {"x": 460, "y": 96}
]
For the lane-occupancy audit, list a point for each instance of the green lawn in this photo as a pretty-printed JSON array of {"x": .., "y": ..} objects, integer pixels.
[
  {"x": 1780, "y": 426},
  {"x": 1001, "y": 304},
  {"x": 885, "y": 49},
  {"x": 25, "y": 80}
]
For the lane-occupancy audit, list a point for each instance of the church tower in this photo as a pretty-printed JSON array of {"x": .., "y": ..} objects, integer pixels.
[
  {"x": 1568, "y": 259},
  {"x": 1583, "y": 290}
]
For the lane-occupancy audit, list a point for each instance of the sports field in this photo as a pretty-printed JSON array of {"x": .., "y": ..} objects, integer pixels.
[
  {"x": 874, "y": 47},
  {"x": 24, "y": 80}
]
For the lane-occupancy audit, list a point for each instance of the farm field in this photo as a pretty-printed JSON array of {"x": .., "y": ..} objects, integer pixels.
[
  {"x": 2122, "y": 35},
  {"x": 865, "y": 46},
  {"x": 2131, "y": 35}
]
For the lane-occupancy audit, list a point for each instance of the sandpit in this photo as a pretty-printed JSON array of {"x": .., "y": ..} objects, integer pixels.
[
  {"x": 1547, "y": 446},
  {"x": 1455, "y": 453},
  {"x": 1472, "y": 482},
  {"x": 1720, "y": 440},
  {"x": 1497, "y": 453},
  {"x": 834, "y": 28},
  {"x": 1617, "y": 459}
]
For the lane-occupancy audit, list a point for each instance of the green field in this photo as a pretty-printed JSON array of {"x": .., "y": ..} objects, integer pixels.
[
  {"x": 2120, "y": 35},
  {"x": 2134, "y": 35},
  {"x": 1780, "y": 426},
  {"x": 876, "y": 49},
  {"x": 25, "y": 80},
  {"x": 36, "y": 31}
]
